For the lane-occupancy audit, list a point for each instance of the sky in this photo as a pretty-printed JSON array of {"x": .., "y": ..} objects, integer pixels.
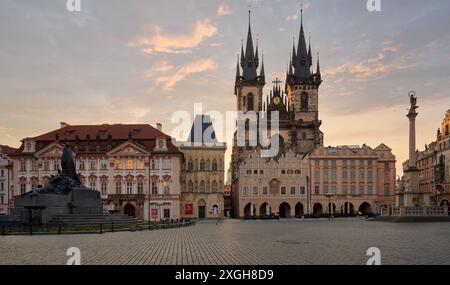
[{"x": 140, "y": 61}]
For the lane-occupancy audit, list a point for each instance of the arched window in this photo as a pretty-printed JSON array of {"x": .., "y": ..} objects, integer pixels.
[
  {"x": 214, "y": 166},
  {"x": 190, "y": 165},
  {"x": 190, "y": 187},
  {"x": 202, "y": 186},
  {"x": 215, "y": 187},
  {"x": 250, "y": 102},
  {"x": 202, "y": 165},
  {"x": 304, "y": 102}
]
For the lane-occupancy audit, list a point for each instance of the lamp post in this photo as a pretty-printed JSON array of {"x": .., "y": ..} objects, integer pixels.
[{"x": 329, "y": 195}]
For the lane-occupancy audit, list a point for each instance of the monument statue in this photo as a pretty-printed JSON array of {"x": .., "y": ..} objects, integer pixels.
[
  {"x": 67, "y": 163},
  {"x": 413, "y": 101},
  {"x": 66, "y": 180}
]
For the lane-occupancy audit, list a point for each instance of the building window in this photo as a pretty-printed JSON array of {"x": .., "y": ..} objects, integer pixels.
[
  {"x": 2, "y": 199},
  {"x": 2, "y": 173},
  {"x": 154, "y": 188},
  {"x": 361, "y": 175},
  {"x": 214, "y": 166},
  {"x": 2, "y": 186},
  {"x": 352, "y": 174},
  {"x": 333, "y": 189},
  {"x": 202, "y": 165},
  {"x": 140, "y": 187},
  {"x": 129, "y": 164},
  {"x": 92, "y": 165},
  {"x": 250, "y": 102},
  {"x": 304, "y": 102},
  {"x": 317, "y": 175},
  {"x": 344, "y": 174},
  {"x": 155, "y": 164},
  {"x": 362, "y": 189},
  {"x": 33, "y": 165},
  {"x": 245, "y": 191},
  {"x": 283, "y": 191},
  {"x": 333, "y": 163},
  {"x": 361, "y": 163},
  {"x": 82, "y": 167},
  {"x": 167, "y": 164},
  {"x": 130, "y": 188},
  {"x": 317, "y": 163},
  {"x": 317, "y": 190},
  {"x": 118, "y": 188},
  {"x": 255, "y": 191},
  {"x": 386, "y": 190},
  {"x": 140, "y": 164},
  {"x": 190, "y": 187},
  {"x": 370, "y": 189},
  {"x": 202, "y": 186},
  {"x": 166, "y": 186},
  {"x": 293, "y": 191},
  {"x": 265, "y": 191},
  {"x": 325, "y": 175},
  {"x": 249, "y": 172},
  {"x": 353, "y": 189},
  {"x": 23, "y": 188},
  {"x": 119, "y": 164},
  {"x": 103, "y": 187},
  {"x": 190, "y": 165},
  {"x": 23, "y": 166},
  {"x": 104, "y": 164},
  {"x": 215, "y": 187},
  {"x": 302, "y": 190},
  {"x": 345, "y": 189},
  {"x": 92, "y": 185},
  {"x": 333, "y": 175},
  {"x": 166, "y": 213},
  {"x": 325, "y": 189},
  {"x": 370, "y": 175},
  {"x": 344, "y": 163},
  {"x": 55, "y": 165}
]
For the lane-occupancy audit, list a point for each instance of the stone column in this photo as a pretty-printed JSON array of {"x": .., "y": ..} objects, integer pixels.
[{"x": 412, "y": 139}]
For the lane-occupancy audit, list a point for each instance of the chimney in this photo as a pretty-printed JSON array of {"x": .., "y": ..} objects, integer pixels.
[
  {"x": 64, "y": 124},
  {"x": 159, "y": 127}
]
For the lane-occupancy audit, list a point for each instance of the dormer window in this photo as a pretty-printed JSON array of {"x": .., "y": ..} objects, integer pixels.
[{"x": 161, "y": 144}]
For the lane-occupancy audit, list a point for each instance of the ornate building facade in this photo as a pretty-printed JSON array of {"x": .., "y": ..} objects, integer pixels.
[
  {"x": 268, "y": 187},
  {"x": 6, "y": 177},
  {"x": 202, "y": 179},
  {"x": 362, "y": 179},
  {"x": 136, "y": 168},
  {"x": 443, "y": 161}
]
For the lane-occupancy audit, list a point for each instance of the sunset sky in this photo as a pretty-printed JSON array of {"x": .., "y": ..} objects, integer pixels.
[{"x": 139, "y": 61}]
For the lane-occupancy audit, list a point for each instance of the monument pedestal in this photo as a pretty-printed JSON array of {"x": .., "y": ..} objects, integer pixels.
[{"x": 77, "y": 201}]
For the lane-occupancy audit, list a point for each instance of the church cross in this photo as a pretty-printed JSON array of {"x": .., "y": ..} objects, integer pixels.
[{"x": 277, "y": 81}]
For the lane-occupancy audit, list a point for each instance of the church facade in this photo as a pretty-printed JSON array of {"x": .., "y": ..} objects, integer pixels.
[{"x": 283, "y": 185}]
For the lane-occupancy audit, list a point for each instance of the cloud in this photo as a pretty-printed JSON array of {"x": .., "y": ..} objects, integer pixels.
[
  {"x": 202, "y": 65},
  {"x": 292, "y": 17},
  {"x": 223, "y": 10},
  {"x": 162, "y": 42}
]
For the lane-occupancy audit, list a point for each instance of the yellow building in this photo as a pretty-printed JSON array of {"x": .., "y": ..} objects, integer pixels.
[{"x": 203, "y": 172}]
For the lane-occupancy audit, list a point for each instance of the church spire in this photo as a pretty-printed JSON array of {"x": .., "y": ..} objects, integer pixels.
[
  {"x": 309, "y": 53},
  {"x": 250, "y": 60},
  {"x": 262, "y": 73},
  {"x": 302, "y": 62},
  {"x": 318, "y": 64}
]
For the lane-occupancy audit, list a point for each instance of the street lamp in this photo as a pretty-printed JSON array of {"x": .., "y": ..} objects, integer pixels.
[{"x": 329, "y": 195}]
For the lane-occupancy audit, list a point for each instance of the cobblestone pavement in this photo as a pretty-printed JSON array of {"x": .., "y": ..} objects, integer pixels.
[{"x": 233, "y": 242}]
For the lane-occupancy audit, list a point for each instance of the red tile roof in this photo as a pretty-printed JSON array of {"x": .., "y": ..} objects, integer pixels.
[
  {"x": 7, "y": 149},
  {"x": 143, "y": 134}
]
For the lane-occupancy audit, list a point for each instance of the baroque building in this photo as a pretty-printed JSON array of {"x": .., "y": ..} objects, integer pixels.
[
  {"x": 202, "y": 178},
  {"x": 136, "y": 168}
]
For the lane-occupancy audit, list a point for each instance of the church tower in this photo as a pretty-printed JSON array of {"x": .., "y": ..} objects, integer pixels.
[
  {"x": 302, "y": 89},
  {"x": 249, "y": 85}
]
